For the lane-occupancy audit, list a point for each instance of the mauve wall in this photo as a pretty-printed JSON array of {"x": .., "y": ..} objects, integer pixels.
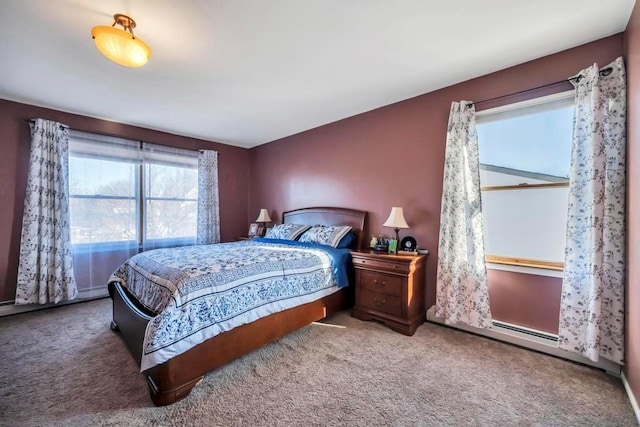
[
  {"x": 525, "y": 299},
  {"x": 632, "y": 58},
  {"x": 14, "y": 160},
  {"x": 393, "y": 156}
]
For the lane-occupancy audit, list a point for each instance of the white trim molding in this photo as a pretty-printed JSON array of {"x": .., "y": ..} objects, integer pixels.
[
  {"x": 525, "y": 270},
  {"x": 542, "y": 103},
  {"x": 528, "y": 340},
  {"x": 9, "y": 308},
  {"x": 631, "y": 396}
]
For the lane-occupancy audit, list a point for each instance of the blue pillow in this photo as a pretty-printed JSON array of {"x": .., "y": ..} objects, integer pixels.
[{"x": 346, "y": 241}]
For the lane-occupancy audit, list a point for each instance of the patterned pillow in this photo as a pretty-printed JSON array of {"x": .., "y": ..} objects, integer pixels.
[
  {"x": 286, "y": 231},
  {"x": 325, "y": 235}
]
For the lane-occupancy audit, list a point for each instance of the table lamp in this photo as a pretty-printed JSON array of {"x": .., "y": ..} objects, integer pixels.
[
  {"x": 263, "y": 218},
  {"x": 396, "y": 220}
]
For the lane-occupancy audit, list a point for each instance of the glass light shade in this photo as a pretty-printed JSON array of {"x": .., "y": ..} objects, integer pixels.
[
  {"x": 396, "y": 219},
  {"x": 120, "y": 46},
  {"x": 264, "y": 216}
]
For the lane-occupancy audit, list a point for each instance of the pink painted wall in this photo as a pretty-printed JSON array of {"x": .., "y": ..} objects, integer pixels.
[
  {"x": 394, "y": 155},
  {"x": 525, "y": 299},
  {"x": 14, "y": 162},
  {"x": 632, "y": 59}
]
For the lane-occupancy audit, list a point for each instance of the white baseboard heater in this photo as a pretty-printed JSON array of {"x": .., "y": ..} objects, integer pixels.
[
  {"x": 8, "y": 308},
  {"x": 541, "y": 337},
  {"x": 529, "y": 338}
]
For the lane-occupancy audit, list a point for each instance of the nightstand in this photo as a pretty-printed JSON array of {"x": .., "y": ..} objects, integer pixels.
[
  {"x": 241, "y": 238},
  {"x": 391, "y": 289}
]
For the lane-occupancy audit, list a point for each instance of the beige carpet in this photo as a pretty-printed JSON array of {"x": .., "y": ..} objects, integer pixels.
[{"x": 63, "y": 366}]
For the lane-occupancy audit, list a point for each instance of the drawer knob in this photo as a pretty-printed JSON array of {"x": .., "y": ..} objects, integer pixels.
[
  {"x": 379, "y": 302},
  {"x": 375, "y": 282}
]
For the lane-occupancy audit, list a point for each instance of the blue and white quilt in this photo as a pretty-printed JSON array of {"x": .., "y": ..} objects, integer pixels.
[{"x": 202, "y": 291}]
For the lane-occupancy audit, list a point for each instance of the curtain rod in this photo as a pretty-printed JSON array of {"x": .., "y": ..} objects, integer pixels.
[
  {"x": 61, "y": 125},
  {"x": 603, "y": 73},
  {"x": 67, "y": 127}
]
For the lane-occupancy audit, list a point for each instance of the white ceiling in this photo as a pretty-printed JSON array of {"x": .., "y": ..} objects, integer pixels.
[{"x": 247, "y": 72}]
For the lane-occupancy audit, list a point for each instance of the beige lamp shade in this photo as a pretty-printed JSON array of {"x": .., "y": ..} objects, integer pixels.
[
  {"x": 396, "y": 219},
  {"x": 121, "y": 46},
  {"x": 264, "y": 216}
]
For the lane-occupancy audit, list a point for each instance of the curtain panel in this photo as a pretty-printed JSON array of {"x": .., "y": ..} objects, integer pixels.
[
  {"x": 208, "y": 198},
  {"x": 592, "y": 304},
  {"x": 462, "y": 289},
  {"x": 45, "y": 270}
]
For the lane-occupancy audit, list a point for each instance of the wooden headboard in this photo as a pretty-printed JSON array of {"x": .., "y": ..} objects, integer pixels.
[{"x": 330, "y": 216}]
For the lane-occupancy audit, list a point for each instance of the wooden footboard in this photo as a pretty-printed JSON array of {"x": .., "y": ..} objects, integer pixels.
[
  {"x": 129, "y": 318},
  {"x": 174, "y": 379}
]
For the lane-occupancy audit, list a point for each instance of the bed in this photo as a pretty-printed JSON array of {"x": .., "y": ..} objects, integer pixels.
[{"x": 172, "y": 380}]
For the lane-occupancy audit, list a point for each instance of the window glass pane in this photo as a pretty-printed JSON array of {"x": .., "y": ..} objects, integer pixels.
[
  {"x": 171, "y": 181},
  {"x": 92, "y": 176},
  {"x": 96, "y": 220},
  {"x": 526, "y": 223},
  {"x": 531, "y": 146},
  {"x": 104, "y": 190},
  {"x": 538, "y": 144},
  {"x": 168, "y": 219}
]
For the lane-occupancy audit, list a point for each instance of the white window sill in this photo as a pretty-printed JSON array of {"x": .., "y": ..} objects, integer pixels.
[{"x": 526, "y": 270}]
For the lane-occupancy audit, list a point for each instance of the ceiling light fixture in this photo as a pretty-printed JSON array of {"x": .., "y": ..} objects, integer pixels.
[{"x": 121, "y": 46}]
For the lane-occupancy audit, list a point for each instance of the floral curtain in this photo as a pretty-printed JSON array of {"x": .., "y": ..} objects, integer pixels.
[
  {"x": 208, "y": 201},
  {"x": 462, "y": 290},
  {"x": 45, "y": 270},
  {"x": 592, "y": 304}
]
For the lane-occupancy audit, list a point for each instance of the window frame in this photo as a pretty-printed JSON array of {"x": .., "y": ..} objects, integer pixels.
[
  {"x": 532, "y": 106},
  {"x": 140, "y": 163}
]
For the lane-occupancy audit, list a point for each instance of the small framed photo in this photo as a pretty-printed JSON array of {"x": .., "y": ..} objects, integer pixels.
[
  {"x": 256, "y": 229},
  {"x": 393, "y": 246}
]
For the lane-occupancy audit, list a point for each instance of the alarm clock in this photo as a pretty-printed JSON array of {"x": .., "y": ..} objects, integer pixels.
[{"x": 408, "y": 244}]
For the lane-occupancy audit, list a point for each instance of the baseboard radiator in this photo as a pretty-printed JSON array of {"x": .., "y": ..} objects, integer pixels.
[
  {"x": 8, "y": 308},
  {"x": 526, "y": 333},
  {"x": 529, "y": 338}
]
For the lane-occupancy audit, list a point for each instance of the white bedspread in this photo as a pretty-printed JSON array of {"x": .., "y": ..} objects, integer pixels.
[{"x": 202, "y": 291}]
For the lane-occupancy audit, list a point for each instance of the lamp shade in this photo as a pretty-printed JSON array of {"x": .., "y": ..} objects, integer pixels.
[
  {"x": 264, "y": 216},
  {"x": 396, "y": 219},
  {"x": 121, "y": 46}
]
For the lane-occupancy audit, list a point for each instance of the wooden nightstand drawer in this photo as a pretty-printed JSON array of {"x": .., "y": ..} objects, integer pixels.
[
  {"x": 382, "y": 265},
  {"x": 383, "y": 283},
  {"x": 390, "y": 288},
  {"x": 381, "y": 302}
]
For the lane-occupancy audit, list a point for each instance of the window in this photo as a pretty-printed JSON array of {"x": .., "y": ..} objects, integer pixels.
[
  {"x": 171, "y": 194},
  {"x": 130, "y": 192},
  {"x": 525, "y": 156}
]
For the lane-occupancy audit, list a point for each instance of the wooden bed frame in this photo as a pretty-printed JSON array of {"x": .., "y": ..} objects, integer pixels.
[{"x": 173, "y": 380}]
